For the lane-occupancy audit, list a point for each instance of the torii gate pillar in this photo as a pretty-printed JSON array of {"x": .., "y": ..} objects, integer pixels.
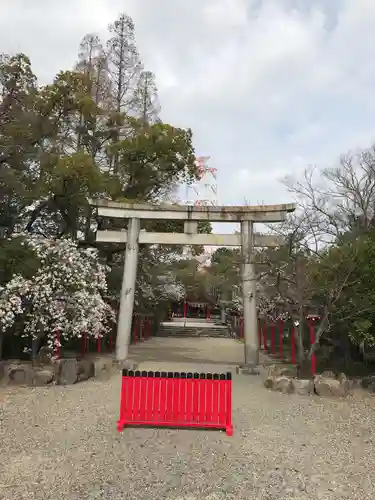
[
  {"x": 250, "y": 316},
  {"x": 129, "y": 277}
]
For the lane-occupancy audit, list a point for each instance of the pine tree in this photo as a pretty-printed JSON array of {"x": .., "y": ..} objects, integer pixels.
[{"x": 146, "y": 98}]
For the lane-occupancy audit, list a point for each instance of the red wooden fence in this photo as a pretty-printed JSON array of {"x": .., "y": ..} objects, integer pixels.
[
  {"x": 263, "y": 341},
  {"x": 176, "y": 400}
]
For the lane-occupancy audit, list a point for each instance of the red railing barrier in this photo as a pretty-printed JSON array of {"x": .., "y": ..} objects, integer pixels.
[
  {"x": 293, "y": 346},
  {"x": 176, "y": 400},
  {"x": 281, "y": 338},
  {"x": 312, "y": 342},
  {"x": 272, "y": 338}
]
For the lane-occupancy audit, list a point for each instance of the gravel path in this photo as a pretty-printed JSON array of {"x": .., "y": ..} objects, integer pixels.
[{"x": 61, "y": 443}]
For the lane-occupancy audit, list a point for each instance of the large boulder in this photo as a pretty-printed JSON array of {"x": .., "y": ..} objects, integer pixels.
[
  {"x": 303, "y": 387},
  {"x": 103, "y": 367},
  {"x": 268, "y": 383},
  {"x": 45, "y": 355},
  {"x": 369, "y": 383},
  {"x": 283, "y": 384},
  {"x": 327, "y": 385},
  {"x": 128, "y": 364},
  {"x": 85, "y": 369},
  {"x": 44, "y": 377},
  {"x": 67, "y": 372},
  {"x": 19, "y": 374}
]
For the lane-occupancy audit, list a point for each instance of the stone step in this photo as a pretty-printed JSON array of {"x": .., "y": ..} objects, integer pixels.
[{"x": 192, "y": 331}]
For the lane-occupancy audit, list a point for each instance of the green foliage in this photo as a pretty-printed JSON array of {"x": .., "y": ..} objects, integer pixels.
[
  {"x": 152, "y": 159},
  {"x": 195, "y": 280},
  {"x": 225, "y": 271},
  {"x": 82, "y": 136},
  {"x": 16, "y": 258},
  {"x": 93, "y": 131},
  {"x": 349, "y": 271}
]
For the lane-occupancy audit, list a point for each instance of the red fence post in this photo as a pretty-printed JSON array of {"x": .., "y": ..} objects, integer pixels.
[
  {"x": 293, "y": 346},
  {"x": 281, "y": 337},
  {"x": 228, "y": 388},
  {"x": 312, "y": 342},
  {"x": 273, "y": 338},
  {"x": 265, "y": 336},
  {"x": 176, "y": 399}
]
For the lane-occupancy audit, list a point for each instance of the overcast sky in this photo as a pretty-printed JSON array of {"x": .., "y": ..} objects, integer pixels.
[{"x": 267, "y": 86}]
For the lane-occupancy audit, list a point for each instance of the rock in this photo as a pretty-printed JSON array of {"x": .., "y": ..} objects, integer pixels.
[
  {"x": 67, "y": 372},
  {"x": 44, "y": 377},
  {"x": 303, "y": 387},
  {"x": 20, "y": 375},
  {"x": 327, "y": 386},
  {"x": 44, "y": 356},
  {"x": 344, "y": 381},
  {"x": 281, "y": 370},
  {"x": 268, "y": 383},
  {"x": 283, "y": 384},
  {"x": 103, "y": 367},
  {"x": 85, "y": 369},
  {"x": 368, "y": 382},
  {"x": 129, "y": 364},
  {"x": 328, "y": 374}
]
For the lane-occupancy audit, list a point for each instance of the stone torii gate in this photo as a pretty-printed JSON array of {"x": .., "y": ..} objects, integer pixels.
[{"x": 191, "y": 215}]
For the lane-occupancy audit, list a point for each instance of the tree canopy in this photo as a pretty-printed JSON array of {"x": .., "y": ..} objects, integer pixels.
[{"x": 94, "y": 131}]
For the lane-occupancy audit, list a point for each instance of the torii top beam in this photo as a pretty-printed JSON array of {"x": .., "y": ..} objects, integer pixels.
[{"x": 227, "y": 213}]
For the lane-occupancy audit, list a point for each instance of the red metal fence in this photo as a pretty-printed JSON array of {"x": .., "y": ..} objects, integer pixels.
[{"x": 176, "y": 400}]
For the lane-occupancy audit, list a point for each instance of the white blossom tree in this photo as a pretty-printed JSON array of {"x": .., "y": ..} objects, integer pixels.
[{"x": 64, "y": 299}]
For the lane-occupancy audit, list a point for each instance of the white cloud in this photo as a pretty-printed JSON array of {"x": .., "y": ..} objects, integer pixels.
[{"x": 267, "y": 86}]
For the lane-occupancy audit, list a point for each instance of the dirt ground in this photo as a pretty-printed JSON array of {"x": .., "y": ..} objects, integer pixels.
[{"x": 61, "y": 442}]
